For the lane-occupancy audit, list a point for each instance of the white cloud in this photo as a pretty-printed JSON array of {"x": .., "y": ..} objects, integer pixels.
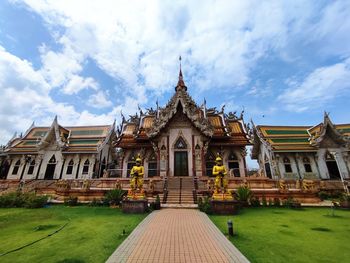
[
  {"x": 25, "y": 98},
  {"x": 138, "y": 44},
  {"x": 99, "y": 100},
  {"x": 57, "y": 67},
  {"x": 318, "y": 88},
  {"x": 77, "y": 83}
]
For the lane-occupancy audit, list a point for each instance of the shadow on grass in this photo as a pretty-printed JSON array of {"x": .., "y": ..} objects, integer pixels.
[
  {"x": 333, "y": 216},
  {"x": 321, "y": 229},
  {"x": 44, "y": 227}
]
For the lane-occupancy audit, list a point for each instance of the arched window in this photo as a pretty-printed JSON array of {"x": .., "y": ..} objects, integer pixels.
[
  {"x": 233, "y": 164},
  {"x": 31, "y": 167},
  {"x": 152, "y": 165},
  {"x": 180, "y": 144},
  {"x": 307, "y": 165},
  {"x": 209, "y": 163},
  {"x": 287, "y": 165},
  {"x": 16, "y": 167},
  {"x": 70, "y": 167},
  {"x": 131, "y": 163},
  {"x": 86, "y": 166}
]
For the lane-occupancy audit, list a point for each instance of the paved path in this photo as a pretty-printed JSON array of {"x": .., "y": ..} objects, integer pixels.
[{"x": 176, "y": 235}]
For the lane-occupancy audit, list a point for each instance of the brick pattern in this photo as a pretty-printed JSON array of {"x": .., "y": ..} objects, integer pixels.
[{"x": 177, "y": 235}]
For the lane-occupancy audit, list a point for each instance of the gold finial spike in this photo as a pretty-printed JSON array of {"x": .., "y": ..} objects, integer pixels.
[{"x": 180, "y": 82}]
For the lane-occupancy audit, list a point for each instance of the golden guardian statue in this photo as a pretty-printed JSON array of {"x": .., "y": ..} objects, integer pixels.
[
  {"x": 136, "y": 183},
  {"x": 220, "y": 183}
]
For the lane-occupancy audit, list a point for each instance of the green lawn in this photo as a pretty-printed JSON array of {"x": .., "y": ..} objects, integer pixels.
[
  {"x": 92, "y": 234},
  {"x": 286, "y": 235}
]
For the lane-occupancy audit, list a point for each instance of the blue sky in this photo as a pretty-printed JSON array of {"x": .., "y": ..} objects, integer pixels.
[{"x": 284, "y": 62}]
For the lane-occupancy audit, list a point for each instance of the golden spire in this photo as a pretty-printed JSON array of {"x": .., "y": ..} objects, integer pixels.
[{"x": 180, "y": 83}]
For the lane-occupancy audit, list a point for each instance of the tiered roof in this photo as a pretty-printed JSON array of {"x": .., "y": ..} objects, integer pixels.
[
  {"x": 219, "y": 127},
  {"x": 299, "y": 138},
  {"x": 79, "y": 139}
]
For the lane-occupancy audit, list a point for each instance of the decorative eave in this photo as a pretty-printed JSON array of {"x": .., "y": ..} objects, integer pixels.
[
  {"x": 189, "y": 108},
  {"x": 328, "y": 128},
  {"x": 110, "y": 137},
  {"x": 54, "y": 130},
  {"x": 258, "y": 139}
]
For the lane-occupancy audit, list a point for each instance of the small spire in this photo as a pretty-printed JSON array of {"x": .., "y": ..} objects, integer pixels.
[{"x": 180, "y": 83}]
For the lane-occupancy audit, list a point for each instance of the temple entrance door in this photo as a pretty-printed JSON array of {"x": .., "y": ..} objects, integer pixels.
[
  {"x": 4, "y": 169},
  {"x": 268, "y": 170},
  {"x": 181, "y": 164},
  {"x": 50, "y": 170},
  {"x": 333, "y": 170}
]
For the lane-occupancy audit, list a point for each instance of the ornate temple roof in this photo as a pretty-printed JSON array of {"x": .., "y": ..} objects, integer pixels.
[
  {"x": 79, "y": 139},
  {"x": 299, "y": 138},
  {"x": 221, "y": 128}
]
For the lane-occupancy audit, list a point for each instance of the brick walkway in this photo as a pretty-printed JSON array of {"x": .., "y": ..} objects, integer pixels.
[{"x": 176, "y": 235}]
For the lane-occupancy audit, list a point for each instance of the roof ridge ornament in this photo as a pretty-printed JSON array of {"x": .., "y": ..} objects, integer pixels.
[{"x": 180, "y": 84}]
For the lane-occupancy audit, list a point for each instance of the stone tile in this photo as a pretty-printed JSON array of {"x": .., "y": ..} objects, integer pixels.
[{"x": 177, "y": 235}]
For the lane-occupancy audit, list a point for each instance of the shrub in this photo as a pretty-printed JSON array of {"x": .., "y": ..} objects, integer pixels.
[
  {"x": 96, "y": 202},
  {"x": 345, "y": 197},
  {"x": 323, "y": 195},
  {"x": 243, "y": 193},
  {"x": 276, "y": 202},
  {"x": 13, "y": 199},
  {"x": 19, "y": 199},
  {"x": 115, "y": 196},
  {"x": 270, "y": 202},
  {"x": 157, "y": 203},
  {"x": 288, "y": 202},
  {"x": 336, "y": 194},
  {"x": 255, "y": 202},
  {"x": 34, "y": 201},
  {"x": 264, "y": 202},
  {"x": 204, "y": 205},
  {"x": 71, "y": 201}
]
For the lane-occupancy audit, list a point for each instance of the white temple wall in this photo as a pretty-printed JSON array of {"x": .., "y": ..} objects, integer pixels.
[
  {"x": 27, "y": 176},
  {"x": 312, "y": 164},
  {"x": 174, "y": 134},
  {"x": 68, "y": 158},
  {"x": 341, "y": 163},
  {"x": 19, "y": 172},
  {"x": 45, "y": 160}
]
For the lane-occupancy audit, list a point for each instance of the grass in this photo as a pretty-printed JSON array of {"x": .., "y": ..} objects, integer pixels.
[
  {"x": 91, "y": 235},
  {"x": 287, "y": 235}
]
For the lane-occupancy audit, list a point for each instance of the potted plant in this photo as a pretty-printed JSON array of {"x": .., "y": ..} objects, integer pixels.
[
  {"x": 157, "y": 203},
  {"x": 114, "y": 197},
  {"x": 243, "y": 195}
]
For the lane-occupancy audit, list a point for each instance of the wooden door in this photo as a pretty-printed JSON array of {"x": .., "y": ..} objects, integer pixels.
[{"x": 181, "y": 164}]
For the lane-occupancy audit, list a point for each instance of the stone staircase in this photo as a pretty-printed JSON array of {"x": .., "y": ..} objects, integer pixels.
[{"x": 180, "y": 190}]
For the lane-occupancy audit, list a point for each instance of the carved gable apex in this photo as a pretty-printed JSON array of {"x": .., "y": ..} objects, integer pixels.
[
  {"x": 181, "y": 101},
  {"x": 55, "y": 137},
  {"x": 329, "y": 135}
]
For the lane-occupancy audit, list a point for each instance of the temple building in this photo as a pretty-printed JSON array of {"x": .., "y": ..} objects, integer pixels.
[
  {"x": 58, "y": 152},
  {"x": 182, "y": 139},
  {"x": 303, "y": 152}
]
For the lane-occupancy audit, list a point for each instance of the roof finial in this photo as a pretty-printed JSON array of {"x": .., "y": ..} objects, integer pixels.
[{"x": 180, "y": 82}]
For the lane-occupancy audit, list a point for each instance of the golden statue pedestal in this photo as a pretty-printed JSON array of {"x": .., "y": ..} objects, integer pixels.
[
  {"x": 136, "y": 194},
  {"x": 222, "y": 196}
]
